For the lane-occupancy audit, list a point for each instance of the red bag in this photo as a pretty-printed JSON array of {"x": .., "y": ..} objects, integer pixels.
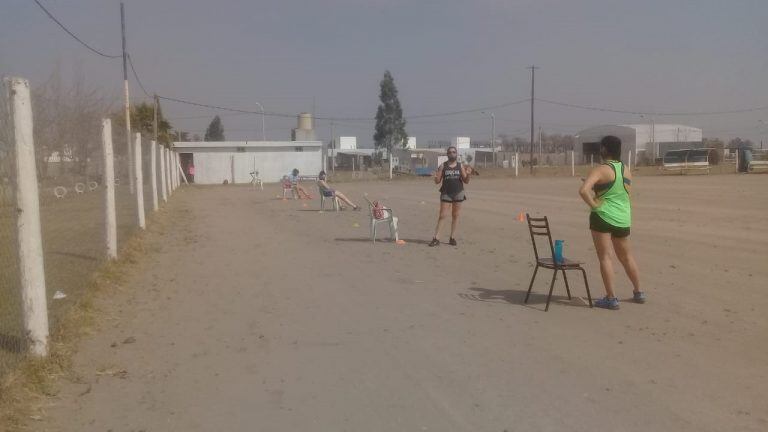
[{"x": 378, "y": 210}]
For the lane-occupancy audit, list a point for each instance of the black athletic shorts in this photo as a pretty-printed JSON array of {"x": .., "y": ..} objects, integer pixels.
[
  {"x": 457, "y": 197},
  {"x": 596, "y": 223}
]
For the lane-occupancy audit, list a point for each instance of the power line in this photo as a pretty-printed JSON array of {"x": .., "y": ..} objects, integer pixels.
[
  {"x": 276, "y": 114},
  {"x": 135, "y": 75},
  {"x": 221, "y": 108},
  {"x": 445, "y": 114},
  {"x": 701, "y": 113},
  {"x": 50, "y": 15}
]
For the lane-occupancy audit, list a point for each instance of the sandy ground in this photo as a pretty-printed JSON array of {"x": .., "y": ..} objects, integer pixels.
[{"x": 255, "y": 314}]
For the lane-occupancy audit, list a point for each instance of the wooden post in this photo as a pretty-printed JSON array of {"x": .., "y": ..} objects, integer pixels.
[
  {"x": 183, "y": 176},
  {"x": 139, "y": 181},
  {"x": 110, "y": 235},
  {"x": 29, "y": 236}
]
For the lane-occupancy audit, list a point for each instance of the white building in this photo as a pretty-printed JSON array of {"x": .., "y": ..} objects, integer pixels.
[
  {"x": 411, "y": 143},
  {"x": 645, "y": 141},
  {"x": 347, "y": 143},
  {"x": 234, "y": 161},
  {"x": 461, "y": 142}
]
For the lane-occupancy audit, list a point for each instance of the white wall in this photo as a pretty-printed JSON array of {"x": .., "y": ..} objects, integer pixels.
[
  {"x": 347, "y": 143},
  {"x": 214, "y": 167},
  {"x": 461, "y": 142}
]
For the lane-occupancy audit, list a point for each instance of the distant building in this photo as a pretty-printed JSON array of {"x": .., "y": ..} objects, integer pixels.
[
  {"x": 411, "y": 144},
  {"x": 347, "y": 143},
  {"x": 234, "y": 161},
  {"x": 461, "y": 142},
  {"x": 645, "y": 141}
]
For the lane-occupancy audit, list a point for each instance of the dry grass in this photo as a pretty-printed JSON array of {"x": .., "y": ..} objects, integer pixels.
[{"x": 23, "y": 392}]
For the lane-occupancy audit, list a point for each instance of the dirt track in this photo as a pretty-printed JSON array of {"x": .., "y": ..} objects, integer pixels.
[{"x": 255, "y": 314}]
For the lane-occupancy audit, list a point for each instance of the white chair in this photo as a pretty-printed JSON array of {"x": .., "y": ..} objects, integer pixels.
[
  {"x": 256, "y": 179},
  {"x": 322, "y": 191},
  {"x": 388, "y": 217},
  {"x": 288, "y": 188}
]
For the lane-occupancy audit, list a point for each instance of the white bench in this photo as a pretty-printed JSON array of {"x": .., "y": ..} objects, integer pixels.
[
  {"x": 686, "y": 160},
  {"x": 759, "y": 161}
]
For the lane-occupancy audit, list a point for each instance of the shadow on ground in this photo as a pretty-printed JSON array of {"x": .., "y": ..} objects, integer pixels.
[
  {"x": 518, "y": 297},
  {"x": 382, "y": 240}
]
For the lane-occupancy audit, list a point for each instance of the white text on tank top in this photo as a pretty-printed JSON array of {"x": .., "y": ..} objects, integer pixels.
[{"x": 452, "y": 183}]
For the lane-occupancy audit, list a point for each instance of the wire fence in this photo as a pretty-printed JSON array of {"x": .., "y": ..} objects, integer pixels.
[{"x": 84, "y": 212}]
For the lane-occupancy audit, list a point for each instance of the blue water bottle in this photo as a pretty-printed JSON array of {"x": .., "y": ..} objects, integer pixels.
[{"x": 559, "y": 251}]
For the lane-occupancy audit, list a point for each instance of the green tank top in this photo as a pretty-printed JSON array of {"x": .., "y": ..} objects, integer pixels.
[{"x": 615, "y": 207}]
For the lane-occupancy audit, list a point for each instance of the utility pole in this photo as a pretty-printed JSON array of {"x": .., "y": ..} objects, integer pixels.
[
  {"x": 493, "y": 138},
  {"x": 154, "y": 125},
  {"x": 127, "y": 101},
  {"x": 533, "y": 77},
  {"x": 539, "y": 144},
  {"x": 493, "y": 135},
  {"x": 333, "y": 147}
]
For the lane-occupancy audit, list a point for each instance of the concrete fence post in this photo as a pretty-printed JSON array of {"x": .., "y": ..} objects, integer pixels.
[
  {"x": 168, "y": 172},
  {"x": 110, "y": 219},
  {"x": 139, "y": 180},
  {"x": 573, "y": 165},
  {"x": 517, "y": 162},
  {"x": 163, "y": 190},
  {"x": 175, "y": 162},
  {"x": 174, "y": 174},
  {"x": 29, "y": 236},
  {"x": 153, "y": 173}
]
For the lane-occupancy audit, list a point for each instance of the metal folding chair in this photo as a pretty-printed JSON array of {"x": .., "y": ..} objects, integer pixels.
[{"x": 540, "y": 227}]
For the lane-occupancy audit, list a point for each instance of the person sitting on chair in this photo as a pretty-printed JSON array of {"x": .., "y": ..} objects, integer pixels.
[
  {"x": 328, "y": 192},
  {"x": 294, "y": 178}
]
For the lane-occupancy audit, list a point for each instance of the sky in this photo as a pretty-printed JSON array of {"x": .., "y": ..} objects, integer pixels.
[{"x": 328, "y": 56}]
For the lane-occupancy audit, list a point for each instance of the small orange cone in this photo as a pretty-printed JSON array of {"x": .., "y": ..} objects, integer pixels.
[
  {"x": 521, "y": 217},
  {"x": 400, "y": 242}
]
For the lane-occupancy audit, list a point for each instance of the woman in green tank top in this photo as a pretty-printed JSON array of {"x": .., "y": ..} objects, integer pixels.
[{"x": 606, "y": 191}]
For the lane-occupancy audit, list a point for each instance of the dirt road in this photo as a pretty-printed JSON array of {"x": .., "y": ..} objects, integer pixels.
[{"x": 255, "y": 314}]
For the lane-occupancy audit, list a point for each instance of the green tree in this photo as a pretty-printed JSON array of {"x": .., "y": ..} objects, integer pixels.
[
  {"x": 215, "y": 131},
  {"x": 390, "y": 125},
  {"x": 142, "y": 120}
]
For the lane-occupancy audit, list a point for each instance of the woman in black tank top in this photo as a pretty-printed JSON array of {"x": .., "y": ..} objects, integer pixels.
[{"x": 451, "y": 177}]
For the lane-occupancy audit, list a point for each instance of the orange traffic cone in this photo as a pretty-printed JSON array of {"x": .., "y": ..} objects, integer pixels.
[{"x": 521, "y": 217}]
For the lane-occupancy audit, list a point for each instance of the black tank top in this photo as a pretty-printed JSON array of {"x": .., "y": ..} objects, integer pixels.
[{"x": 452, "y": 183}]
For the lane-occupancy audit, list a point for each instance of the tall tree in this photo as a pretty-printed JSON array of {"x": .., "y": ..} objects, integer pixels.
[
  {"x": 215, "y": 131},
  {"x": 390, "y": 125}
]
